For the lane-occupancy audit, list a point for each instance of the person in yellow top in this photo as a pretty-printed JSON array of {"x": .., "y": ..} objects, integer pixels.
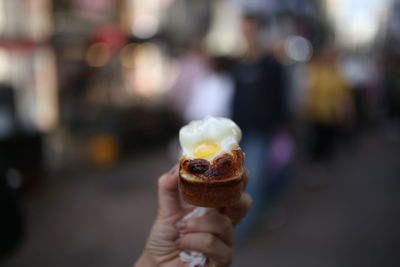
[{"x": 329, "y": 102}]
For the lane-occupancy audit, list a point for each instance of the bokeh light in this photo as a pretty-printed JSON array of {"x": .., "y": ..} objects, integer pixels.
[
  {"x": 98, "y": 54},
  {"x": 298, "y": 48},
  {"x": 127, "y": 56},
  {"x": 145, "y": 26}
]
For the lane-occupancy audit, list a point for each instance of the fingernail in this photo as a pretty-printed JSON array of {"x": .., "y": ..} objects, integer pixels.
[{"x": 181, "y": 225}]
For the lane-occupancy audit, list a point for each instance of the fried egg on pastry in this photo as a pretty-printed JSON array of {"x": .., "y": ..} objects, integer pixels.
[{"x": 211, "y": 166}]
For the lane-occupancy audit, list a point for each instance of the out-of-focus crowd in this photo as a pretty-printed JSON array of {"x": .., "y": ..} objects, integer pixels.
[{"x": 319, "y": 103}]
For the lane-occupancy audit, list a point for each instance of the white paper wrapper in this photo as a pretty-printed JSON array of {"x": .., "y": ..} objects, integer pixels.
[{"x": 194, "y": 258}]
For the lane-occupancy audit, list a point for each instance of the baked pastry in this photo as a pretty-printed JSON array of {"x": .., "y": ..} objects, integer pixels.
[{"x": 211, "y": 167}]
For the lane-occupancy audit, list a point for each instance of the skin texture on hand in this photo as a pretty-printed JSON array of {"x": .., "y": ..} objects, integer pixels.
[{"x": 211, "y": 234}]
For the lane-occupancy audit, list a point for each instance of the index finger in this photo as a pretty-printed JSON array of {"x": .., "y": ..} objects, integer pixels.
[{"x": 168, "y": 194}]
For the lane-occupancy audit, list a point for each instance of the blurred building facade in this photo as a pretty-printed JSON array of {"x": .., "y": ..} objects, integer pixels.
[{"x": 97, "y": 68}]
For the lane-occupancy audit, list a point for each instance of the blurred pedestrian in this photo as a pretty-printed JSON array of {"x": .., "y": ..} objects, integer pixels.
[
  {"x": 329, "y": 104},
  {"x": 193, "y": 66},
  {"x": 359, "y": 72},
  {"x": 212, "y": 92},
  {"x": 259, "y": 109},
  {"x": 392, "y": 93}
]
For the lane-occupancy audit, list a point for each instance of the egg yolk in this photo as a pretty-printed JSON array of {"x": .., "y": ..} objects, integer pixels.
[{"x": 206, "y": 149}]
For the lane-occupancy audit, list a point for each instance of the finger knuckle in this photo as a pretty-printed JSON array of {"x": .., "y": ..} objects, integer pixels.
[
  {"x": 222, "y": 223},
  {"x": 192, "y": 224},
  {"x": 209, "y": 240},
  {"x": 248, "y": 201},
  {"x": 161, "y": 180},
  {"x": 226, "y": 223}
]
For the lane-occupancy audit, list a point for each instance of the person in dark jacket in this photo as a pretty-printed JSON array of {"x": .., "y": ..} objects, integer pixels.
[{"x": 259, "y": 110}]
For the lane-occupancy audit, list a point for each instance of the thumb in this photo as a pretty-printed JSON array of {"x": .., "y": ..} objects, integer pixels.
[{"x": 168, "y": 195}]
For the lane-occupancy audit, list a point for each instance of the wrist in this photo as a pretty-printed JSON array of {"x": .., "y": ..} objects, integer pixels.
[{"x": 145, "y": 261}]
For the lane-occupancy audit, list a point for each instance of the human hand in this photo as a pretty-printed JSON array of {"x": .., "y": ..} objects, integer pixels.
[{"x": 211, "y": 234}]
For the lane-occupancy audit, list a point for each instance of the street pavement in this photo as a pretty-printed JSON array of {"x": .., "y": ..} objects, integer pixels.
[{"x": 342, "y": 214}]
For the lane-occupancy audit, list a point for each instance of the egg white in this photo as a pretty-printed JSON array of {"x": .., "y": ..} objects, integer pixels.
[{"x": 221, "y": 131}]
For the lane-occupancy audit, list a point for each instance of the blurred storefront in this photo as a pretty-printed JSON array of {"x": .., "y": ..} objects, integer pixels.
[
  {"x": 96, "y": 75},
  {"x": 78, "y": 71},
  {"x": 113, "y": 77},
  {"x": 28, "y": 94}
]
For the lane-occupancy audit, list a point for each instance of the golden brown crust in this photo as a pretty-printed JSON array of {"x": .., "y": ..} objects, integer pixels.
[
  {"x": 218, "y": 183},
  {"x": 206, "y": 194}
]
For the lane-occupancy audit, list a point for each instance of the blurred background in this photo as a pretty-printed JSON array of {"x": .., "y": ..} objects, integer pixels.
[{"x": 93, "y": 93}]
